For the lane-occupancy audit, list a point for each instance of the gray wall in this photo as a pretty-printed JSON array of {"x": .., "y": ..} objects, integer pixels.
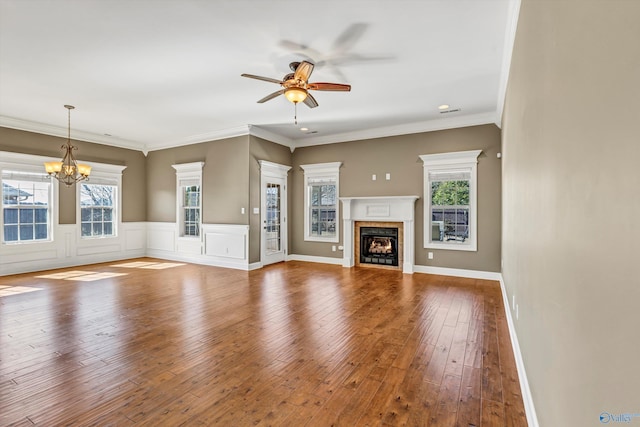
[
  {"x": 225, "y": 180},
  {"x": 133, "y": 178},
  {"x": 399, "y": 156},
  {"x": 571, "y": 235}
]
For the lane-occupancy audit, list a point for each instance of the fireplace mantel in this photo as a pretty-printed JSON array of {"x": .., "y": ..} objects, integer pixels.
[{"x": 381, "y": 209}]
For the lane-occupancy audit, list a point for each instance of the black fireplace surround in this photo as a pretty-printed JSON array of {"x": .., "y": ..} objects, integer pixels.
[{"x": 379, "y": 245}]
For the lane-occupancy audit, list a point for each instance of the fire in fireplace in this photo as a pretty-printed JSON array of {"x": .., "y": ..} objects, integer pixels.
[{"x": 379, "y": 245}]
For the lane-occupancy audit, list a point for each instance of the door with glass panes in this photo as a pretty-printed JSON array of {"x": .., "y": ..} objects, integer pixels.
[{"x": 273, "y": 212}]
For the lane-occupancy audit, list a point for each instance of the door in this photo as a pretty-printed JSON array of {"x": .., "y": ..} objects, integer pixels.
[{"x": 274, "y": 208}]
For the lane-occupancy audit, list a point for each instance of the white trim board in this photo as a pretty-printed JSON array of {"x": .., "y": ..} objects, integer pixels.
[
  {"x": 317, "y": 259},
  {"x": 527, "y": 398},
  {"x": 457, "y": 272}
]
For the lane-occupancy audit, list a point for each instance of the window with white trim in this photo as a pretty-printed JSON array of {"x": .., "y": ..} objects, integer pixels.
[
  {"x": 97, "y": 210},
  {"x": 99, "y": 206},
  {"x": 189, "y": 198},
  {"x": 26, "y": 206},
  {"x": 321, "y": 220},
  {"x": 450, "y": 197}
]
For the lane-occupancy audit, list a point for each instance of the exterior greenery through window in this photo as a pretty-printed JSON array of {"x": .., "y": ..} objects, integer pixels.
[
  {"x": 26, "y": 212},
  {"x": 97, "y": 210},
  {"x": 450, "y": 194},
  {"x": 321, "y": 201}
]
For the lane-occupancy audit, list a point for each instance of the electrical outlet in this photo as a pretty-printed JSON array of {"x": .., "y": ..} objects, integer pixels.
[
  {"x": 256, "y": 211},
  {"x": 513, "y": 302},
  {"x": 333, "y": 248},
  {"x": 388, "y": 176},
  {"x": 517, "y": 314},
  {"x": 242, "y": 211},
  {"x": 373, "y": 177},
  {"x": 430, "y": 255}
]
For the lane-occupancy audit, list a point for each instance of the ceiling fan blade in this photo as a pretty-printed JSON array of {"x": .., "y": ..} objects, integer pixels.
[
  {"x": 329, "y": 86},
  {"x": 266, "y": 79},
  {"x": 310, "y": 101},
  {"x": 304, "y": 70},
  {"x": 348, "y": 38},
  {"x": 271, "y": 96}
]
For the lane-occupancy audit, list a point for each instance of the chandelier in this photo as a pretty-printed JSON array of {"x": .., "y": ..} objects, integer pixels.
[{"x": 68, "y": 171}]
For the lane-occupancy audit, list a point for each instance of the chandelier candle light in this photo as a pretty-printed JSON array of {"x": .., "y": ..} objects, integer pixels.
[{"x": 68, "y": 171}]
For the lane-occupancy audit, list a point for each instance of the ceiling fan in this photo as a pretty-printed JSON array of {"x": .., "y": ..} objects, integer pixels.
[{"x": 296, "y": 86}]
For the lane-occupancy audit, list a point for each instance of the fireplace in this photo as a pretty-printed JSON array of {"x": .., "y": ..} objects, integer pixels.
[
  {"x": 386, "y": 212},
  {"x": 379, "y": 245}
]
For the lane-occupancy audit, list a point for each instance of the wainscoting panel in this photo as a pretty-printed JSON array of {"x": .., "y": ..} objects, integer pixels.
[{"x": 67, "y": 249}]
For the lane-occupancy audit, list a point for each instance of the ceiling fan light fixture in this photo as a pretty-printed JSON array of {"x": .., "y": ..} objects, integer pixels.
[{"x": 295, "y": 94}]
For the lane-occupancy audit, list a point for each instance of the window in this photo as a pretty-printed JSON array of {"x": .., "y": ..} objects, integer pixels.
[
  {"x": 26, "y": 207},
  {"x": 450, "y": 190},
  {"x": 97, "y": 210},
  {"x": 191, "y": 210},
  {"x": 321, "y": 202},
  {"x": 189, "y": 190},
  {"x": 99, "y": 207}
]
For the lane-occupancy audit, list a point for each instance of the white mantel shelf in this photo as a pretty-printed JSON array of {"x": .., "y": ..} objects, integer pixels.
[{"x": 381, "y": 209}]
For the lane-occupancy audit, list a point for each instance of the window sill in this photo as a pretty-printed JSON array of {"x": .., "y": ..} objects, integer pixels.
[
  {"x": 321, "y": 239},
  {"x": 469, "y": 247}
]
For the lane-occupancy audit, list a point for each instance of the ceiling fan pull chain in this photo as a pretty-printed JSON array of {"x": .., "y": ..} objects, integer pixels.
[{"x": 295, "y": 113}]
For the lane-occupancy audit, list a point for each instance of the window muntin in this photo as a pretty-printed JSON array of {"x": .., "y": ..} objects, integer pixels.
[
  {"x": 26, "y": 207},
  {"x": 450, "y": 194},
  {"x": 321, "y": 221},
  {"x": 97, "y": 210}
]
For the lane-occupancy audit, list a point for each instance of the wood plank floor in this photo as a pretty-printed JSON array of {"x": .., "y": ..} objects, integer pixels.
[{"x": 157, "y": 343}]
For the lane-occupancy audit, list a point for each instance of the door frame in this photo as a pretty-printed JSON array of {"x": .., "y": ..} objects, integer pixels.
[{"x": 277, "y": 171}]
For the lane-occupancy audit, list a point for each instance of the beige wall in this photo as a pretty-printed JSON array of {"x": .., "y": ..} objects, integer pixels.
[
  {"x": 133, "y": 178},
  {"x": 399, "y": 156},
  {"x": 571, "y": 235},
  {"x": 225, "y": 180}
]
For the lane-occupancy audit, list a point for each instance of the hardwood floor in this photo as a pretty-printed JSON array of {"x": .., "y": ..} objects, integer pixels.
[{"x": 151, "y": 342}]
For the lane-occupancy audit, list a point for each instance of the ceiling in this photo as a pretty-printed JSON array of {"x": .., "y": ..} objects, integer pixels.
[{"x": 152, "y": 74}]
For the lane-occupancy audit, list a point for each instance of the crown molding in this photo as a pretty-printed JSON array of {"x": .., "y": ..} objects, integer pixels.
[
  {"x": 256, "y": 130},
  {"x": 78, "y": 135},
  {"x": 405, "y": 129}
]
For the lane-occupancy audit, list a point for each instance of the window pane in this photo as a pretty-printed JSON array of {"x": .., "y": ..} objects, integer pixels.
[
  {"x": 41, "y": 231},
  {"x": 86, "y": 229},
  {"x": 107, "y": 214},
  {"x": 108, "y": 228},
  {"x": 41, "y": 216},
  {"x": 26, "y": 216},
  {"x": 85, "y": 214},
  {"x": 11, "y": 216},
  {"x": 10, "y": 233},
  {"x": 26, "y": 232},
  {"x": 96, "y": 229},
  {"x": 96, "y": 214}
]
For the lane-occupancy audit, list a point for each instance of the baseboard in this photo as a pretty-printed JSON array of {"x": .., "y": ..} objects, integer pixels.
[
  {"x": 527, "y": 398},
  {"x": 318, "y": 259},
  {"x": 457, "y": 272}
]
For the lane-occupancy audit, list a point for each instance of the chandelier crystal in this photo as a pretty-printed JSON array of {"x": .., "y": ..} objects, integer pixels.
[{"x": 68, "y": 171}]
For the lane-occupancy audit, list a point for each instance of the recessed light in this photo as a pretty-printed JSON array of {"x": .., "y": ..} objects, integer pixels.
[
  {"x": 304, "y": 129},
  {"x": 443, "y": 106}
]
